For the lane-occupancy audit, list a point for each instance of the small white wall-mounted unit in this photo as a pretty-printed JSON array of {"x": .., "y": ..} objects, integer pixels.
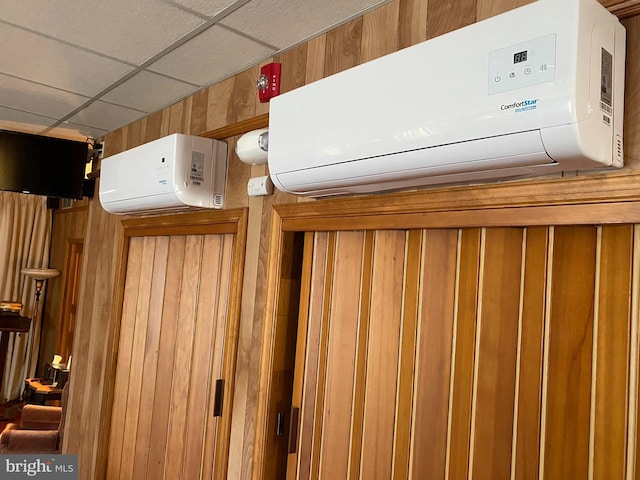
[
  {"x": 172, "y": 173},
  {"x": 535, "y": 90}
]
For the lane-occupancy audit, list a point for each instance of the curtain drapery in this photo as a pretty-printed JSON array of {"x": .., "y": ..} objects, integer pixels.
[{"x": 25, "y": 234}]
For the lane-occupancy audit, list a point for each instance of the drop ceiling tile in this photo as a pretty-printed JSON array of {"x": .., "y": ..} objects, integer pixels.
[
  {"x": 23, "y": 121},
  {"x": 39, "y": 59},
  {"x": 148, "y": 91},
  {"x": 284, "y": 23},
  {"x": 35, "y": 98},
  {"x": 213, "y": 55},
  {"x": 105, "y": 116},
  {"x": 208, "y": 8},
  {"x": 132, "y": 31}
]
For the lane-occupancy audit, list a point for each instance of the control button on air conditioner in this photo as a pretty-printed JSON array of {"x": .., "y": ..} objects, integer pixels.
[
  {"x": 527, "y": 71},
  {"x": 512, "y": 75},
  {"x": 497, "y": 79}
]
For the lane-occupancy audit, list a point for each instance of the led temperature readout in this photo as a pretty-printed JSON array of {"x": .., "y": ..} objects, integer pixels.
[{"x": 520, "y": 57}]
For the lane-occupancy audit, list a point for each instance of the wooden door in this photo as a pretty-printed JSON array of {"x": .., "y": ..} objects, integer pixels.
[
  {"x": 482, "y": 353},
  {"x": 171, "y": 349}
]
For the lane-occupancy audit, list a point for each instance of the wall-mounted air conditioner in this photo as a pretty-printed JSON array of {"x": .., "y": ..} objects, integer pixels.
[
  {"x": 535, "y": 90},
  {"x": 172, "y": 173}
]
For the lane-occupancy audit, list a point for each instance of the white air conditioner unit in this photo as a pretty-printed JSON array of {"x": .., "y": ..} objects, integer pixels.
[
  {"x": 535, "y": 90},
  {"x": 172, "y": 173}
]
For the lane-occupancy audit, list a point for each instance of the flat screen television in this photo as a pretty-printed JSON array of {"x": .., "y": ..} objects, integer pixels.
[{"x": 51, "y": 167}]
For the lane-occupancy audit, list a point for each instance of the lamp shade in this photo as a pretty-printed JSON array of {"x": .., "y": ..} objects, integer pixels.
[{"x": 40, "y": 273}]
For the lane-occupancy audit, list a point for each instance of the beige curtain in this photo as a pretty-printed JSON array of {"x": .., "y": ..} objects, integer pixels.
[{"x": 25, "y": 233}]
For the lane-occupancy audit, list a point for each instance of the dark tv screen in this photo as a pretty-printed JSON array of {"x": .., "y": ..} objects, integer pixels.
[{"x": 39, "y": 165}]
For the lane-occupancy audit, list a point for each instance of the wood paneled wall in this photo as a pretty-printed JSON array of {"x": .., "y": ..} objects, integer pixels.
[
  {"x": 396, "y": 25},
  {"x": 497, "y": 353}
]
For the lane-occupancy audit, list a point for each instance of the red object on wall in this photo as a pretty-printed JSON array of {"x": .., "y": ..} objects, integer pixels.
[{"x": 269, "y": 82}]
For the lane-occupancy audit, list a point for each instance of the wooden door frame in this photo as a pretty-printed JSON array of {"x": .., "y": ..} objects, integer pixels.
[
  {"x": 74, "y": 249},
  {"x": 197, "y": 223},
  {"x": 590, "y": 200}
]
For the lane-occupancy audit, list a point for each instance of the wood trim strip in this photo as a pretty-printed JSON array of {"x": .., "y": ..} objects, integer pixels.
[
  {"x": 585, "y": 214},
  {"x": 615, "y": 196},
  {"x": 239, "y": 128},
  {"x": 268, "y": 343},
  {"x": 231, "y": 342},
  {"x": 195, "y": 223}
]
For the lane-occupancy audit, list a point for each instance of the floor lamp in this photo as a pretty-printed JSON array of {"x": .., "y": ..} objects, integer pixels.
[{"x": 40, "y": 275}]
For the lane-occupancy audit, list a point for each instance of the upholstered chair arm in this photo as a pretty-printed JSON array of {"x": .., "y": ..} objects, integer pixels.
[
  {"x": 28, "y": 441},
  {"x": 40, "y": 417}
]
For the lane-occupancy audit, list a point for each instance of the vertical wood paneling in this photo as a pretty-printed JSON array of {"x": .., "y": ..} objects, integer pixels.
[
  {"x": 173, "y": 329},
  {"x": 182, "y": 360},
  {"x": 360, "y": 380},
  {"x": 212, "y": 438},
  {"x": 202, "y": 354},
  {"x": 614, "y": 310},
  {"x": 153, "y": 128},
  {"x": 135, "y": 376},
  {"x": 176, "y": 118},
  {"x": 566, "y": 453},
  {"x": 407, "y": 360},
  {"x": 491, "y": 8},
  {"x": 435, "y": 340},
  {"x": 243, "y": 96},
  {"x": 199, "y": 103},
  {"x": 496, "y": 354},
  {"x": 383, "y": 354},
  {"x": 632, "y": 95},
  {"x": 380, "y": 32},
  {"x": 527, "y": 438},
  {"x": 343, "y": 47},
  {"x": 412, "y": 22},
  {"x": 312, "y": 357},
  {"x": 219, "y": 98},
  {"x": 443, "y": 17},
  {"x": 150, "y": 363},
  {"x": 463, "y": 355},
  {"x": 136, "y": 133},
  {"x": 294, "y": 63},
  {"x": 315, "y": 59},
  {"x": 127, "y": 329},
  {"x": 325, "y": 300},
  {"x": 166, "y": 352},
  {"x": 341, "y": 353}
]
